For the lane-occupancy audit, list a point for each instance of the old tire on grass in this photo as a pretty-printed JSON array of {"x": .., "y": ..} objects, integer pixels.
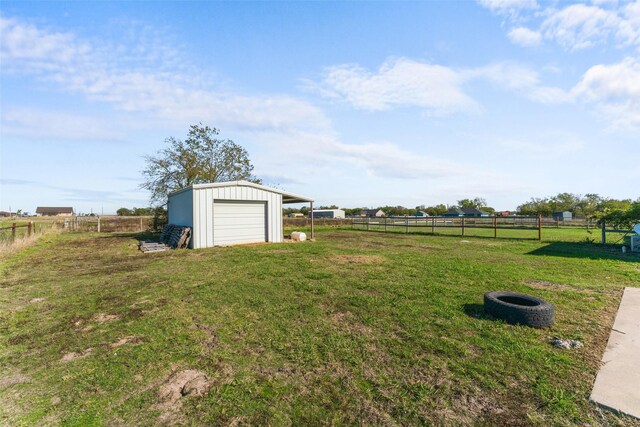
[{"x": 520, "y": 309}]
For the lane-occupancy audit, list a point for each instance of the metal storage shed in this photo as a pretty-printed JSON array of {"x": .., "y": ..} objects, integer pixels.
[{"x": 228, "y": 213}]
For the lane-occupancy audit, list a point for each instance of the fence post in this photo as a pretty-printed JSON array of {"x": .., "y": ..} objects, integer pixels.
[
  {"x": 463, "y": 226},
  {"x": 140, "y": 223},
  {"x": 368, "y": 220},
  {"x": 385, "y": 224},
  {"x": 604, "y": 232},
  {"x": 13, "y": 232},
  {"x": 406, "y": 224},
  {"x": 433, "y": 226},
  {"x": 539, "y": 226},
  {"x": 98, "y": 224},
  {"x": 495, "y": 226},
  {"x": 29, "y": 229}
]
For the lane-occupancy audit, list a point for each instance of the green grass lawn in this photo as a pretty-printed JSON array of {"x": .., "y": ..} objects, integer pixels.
[{"x": 355, "y": 328}]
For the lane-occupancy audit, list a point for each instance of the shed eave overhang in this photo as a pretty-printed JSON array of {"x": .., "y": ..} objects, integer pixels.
[{"x": 286, "y": 196}]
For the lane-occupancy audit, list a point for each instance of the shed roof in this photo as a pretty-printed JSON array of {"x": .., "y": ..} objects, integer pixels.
[
  {"x": 53, "y": 210},
  {"x": 286, "y": 196}
]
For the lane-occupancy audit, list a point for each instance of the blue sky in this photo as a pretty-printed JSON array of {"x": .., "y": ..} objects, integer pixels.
[{"x": 353, "y": 103}]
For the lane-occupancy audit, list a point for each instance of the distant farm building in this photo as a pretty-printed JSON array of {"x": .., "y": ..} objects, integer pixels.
[
  {"x": 54, "y": 211},
  {"x": 562, "y": 216},
  {"x": 465, "y": 212},
  {"x": 328, "y": 213},
  {"x": 230, "y": 213},
  {"x": 372, "y": 213},
  {"x": 5, "y": 214},
  {"x": 421, "y": 214}
]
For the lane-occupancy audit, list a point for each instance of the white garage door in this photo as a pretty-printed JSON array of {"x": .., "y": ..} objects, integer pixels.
[{"x": 239, "y": 222}]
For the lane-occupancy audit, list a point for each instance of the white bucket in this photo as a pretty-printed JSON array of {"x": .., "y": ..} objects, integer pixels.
[{"x": 298, "y": 236}]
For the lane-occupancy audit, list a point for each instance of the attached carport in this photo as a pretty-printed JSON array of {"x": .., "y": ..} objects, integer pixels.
[{"x": 230, "y": 213}]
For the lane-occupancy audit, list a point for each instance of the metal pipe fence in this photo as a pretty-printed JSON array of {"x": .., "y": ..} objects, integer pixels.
[{"x": 431, "y": 225}]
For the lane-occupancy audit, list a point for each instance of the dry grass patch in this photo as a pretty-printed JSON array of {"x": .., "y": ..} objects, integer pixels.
[
  {"x": 548, "y": 286},
  {"x": 356, "y": 259}
]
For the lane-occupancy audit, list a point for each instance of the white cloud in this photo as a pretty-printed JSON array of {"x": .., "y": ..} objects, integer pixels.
[
  {"x": 575, "y": 26},
  {"x": 508, "y": 7},
  {"x": 437, "y": 89},
  {"x": 524, "y": 36},
  {"x": 143, "y": 79},
  {"x": 399, "y": 83},
  {"x": 614, "y": 90},
  {"x": 580, "y": 26}
]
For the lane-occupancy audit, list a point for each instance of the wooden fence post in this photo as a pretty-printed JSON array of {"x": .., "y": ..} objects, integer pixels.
[
  {"x": 406, "y": 224},
  {"x": 604, "y": 232},
  {"x": 495, "y": 226},
  {"x": 98, "y": 224},
  {"x": 140, "y": 223},
  {"x": 463, "y": 226},
  {"x": 13, "y": 231},
  {"x": 433, "y": 226},
  {"x": 385, "y": 224},
  {"x": 540, "y": 227},
  {"x": 29, "y": 229}
]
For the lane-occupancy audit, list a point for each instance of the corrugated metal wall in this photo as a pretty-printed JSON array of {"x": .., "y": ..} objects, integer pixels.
[
  {"x": 204, "y": 198},
  {"x": 181, "y": 208}
]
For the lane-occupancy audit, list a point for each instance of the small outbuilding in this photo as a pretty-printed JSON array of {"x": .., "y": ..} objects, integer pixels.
[
  {"x": 562, "y": 216},
  {"x": 230, "y": 213},
  {"x": 372, "y": 213},
  {"x": 54, "y": 211},
  {"x": 328, "y": 213}
]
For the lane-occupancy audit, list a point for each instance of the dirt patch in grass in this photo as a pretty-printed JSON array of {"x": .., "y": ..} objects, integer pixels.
[
  {"x": 131, "y": 339},
  {"x": 12, "y": 380},
  {"x": 76, "y": 355},
  {"x": 550, "y": 286},
  {"x": 356, "y": 259},
  {"x": 189, "y": 382},
  {"x": 104, "y": 318},
  {"x": 36, "y": 300}
]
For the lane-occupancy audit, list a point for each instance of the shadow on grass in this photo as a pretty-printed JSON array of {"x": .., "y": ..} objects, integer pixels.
[
  {"x": 149, "y": 236},
  {"x": 585, "y": 250},
  {"x": 476, "y": 311}
]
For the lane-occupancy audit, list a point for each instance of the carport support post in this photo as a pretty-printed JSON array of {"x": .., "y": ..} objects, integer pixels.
[{"x": 313, "y": 235}]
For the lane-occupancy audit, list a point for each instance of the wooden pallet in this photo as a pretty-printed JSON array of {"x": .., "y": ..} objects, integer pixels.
[
  {"x": 172, "y": 237},
  {"x": 153, "y": 247}
]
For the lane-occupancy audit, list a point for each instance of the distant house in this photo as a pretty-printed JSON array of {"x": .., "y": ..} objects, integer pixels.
[
  {"x": 465, "y": 212},
  {"x": 473, "y": 212},
  {"x": 328, "y": 213},
  {"x": 454, "y": 212},
  {"x": 50, "y": 211},
  {"x": 372, "y": 213},
  {"x": 421, "y": 214},
  {"x": 503, "y": 213},
  {"x": 562, "y": 216},
  {"x": 5, "y": 214}
]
